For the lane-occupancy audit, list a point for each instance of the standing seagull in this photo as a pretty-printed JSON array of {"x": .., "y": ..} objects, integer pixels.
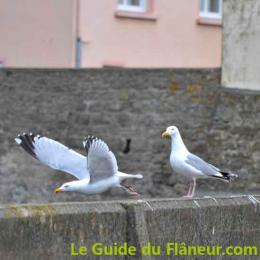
[
  {"x": 190, "y": 165},
  {"x": 96, "y": 173}
]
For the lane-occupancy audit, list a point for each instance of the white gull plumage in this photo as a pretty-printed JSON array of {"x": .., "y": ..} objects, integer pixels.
[
  {"x": 96, "y": 173},
  {"x": 190, "y": 165}
]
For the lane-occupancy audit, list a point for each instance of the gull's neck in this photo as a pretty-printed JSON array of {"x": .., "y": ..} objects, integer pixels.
[{"x": 178, "y": 144}]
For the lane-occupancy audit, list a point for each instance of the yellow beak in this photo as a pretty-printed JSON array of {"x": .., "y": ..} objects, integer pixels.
[
  {"x": 165, "y": 134},
  {"x": 57, "y": 190}
]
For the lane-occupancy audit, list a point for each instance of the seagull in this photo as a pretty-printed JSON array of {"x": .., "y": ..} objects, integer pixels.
[
  {"x": 190, "y": 165},
  {"x": 96, "y": 173}
]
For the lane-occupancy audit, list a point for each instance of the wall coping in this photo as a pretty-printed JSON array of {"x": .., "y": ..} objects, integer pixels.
[{"x": 59, "y": 208}]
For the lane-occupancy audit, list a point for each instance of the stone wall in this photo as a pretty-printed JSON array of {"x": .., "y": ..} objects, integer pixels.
[
  {"x": 47, "y": 231},
  {"x": 221, "y": 125},
  {"x": 241, "y": 44}
]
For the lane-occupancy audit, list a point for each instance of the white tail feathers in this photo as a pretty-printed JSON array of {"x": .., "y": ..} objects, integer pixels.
[
  {"x": 138, "y": 176},
  {"x": 124, "y": 176}
]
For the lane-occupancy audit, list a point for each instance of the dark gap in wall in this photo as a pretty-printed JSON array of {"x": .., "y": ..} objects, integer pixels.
[{"x": 127, "y": 146}]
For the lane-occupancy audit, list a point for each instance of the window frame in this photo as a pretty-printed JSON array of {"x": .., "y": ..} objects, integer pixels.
[
  {"x": 205, "y": 13},
  {"x": 130, "y": 8}
]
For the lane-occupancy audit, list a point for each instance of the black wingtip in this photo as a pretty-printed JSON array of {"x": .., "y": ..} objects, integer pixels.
[
  {"x": 229, "y": 176},
  {"x": 88, "y": 142},
  {"x": 26, "y": 141}
]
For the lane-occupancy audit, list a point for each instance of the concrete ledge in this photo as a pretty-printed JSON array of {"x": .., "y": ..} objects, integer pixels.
[{"x": 47, "y": 231}]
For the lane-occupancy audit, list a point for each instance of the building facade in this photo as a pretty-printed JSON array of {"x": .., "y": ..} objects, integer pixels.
[{"x": 100, "y": 33}]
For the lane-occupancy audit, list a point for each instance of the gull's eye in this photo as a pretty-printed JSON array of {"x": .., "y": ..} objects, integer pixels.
[{"x": 66, "y": 186}]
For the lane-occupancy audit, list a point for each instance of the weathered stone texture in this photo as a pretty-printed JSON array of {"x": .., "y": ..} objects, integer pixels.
[
  {"x": 46, "y": 231},
  {"x": 218, "y": 124},
  {"x": 240, "y": 44}
]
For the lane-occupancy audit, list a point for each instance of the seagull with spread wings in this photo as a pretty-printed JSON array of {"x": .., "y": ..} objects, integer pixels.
[
  {"x": 190, "y": 165},
  {"x": 96, "y": 173}
]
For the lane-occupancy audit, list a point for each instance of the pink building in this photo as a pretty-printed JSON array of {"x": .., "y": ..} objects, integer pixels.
[{"x": 97, "y": 33}]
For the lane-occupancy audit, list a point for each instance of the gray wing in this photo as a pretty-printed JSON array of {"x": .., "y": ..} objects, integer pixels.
[
  {"x": 54, "y": 154},
  {"x": 201, "y": 165},
  {"x": 101, "y": 161}
]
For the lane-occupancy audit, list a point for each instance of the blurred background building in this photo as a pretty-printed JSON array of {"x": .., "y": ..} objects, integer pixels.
[{"x": 117, "y": 33}]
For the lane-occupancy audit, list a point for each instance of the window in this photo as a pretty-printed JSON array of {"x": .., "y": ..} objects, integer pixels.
[
  {"x": 132, "y": 5},
  {"x": 211, "y": 8}
]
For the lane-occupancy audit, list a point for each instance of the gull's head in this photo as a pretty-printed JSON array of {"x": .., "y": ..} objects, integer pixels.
[
  {"x": 68, "y": 186},
  {"x": 170, "y": 131}
]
